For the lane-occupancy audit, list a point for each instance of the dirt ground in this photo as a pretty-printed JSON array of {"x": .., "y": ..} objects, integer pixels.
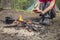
[{"x": 51, "y": 32}]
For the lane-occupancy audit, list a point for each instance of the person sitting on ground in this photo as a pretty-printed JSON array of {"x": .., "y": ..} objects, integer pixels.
[{"x": 46, "y": 9}]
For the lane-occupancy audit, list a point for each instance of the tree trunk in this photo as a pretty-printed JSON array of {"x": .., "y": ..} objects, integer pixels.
[{"x": 6, "y": 4}]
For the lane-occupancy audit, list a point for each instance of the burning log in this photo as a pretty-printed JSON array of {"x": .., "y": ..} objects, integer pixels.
[{"x": 28, "y": 24}]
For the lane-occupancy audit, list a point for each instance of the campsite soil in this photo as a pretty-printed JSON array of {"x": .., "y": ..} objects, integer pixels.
[{"x": 51, "y": 32}]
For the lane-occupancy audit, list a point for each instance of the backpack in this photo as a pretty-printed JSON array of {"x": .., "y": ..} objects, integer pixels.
[{"x": 9, "y": 20}]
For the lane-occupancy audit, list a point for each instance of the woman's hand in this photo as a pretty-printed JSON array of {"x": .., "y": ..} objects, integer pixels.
[
  {"x": 42, "y": 12},
  {"x": 37, "y": 11}
]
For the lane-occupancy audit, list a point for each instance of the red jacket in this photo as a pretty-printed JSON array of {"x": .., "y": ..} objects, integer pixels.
[{"x": 46, "y": 1}]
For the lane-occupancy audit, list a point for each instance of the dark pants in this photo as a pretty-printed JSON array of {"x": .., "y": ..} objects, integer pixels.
[{"x": 45, "y": 18}]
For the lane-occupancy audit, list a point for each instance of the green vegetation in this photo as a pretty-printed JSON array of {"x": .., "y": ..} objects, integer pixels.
[
  {"x": 21, "y": 4},
  {"x": 16, "y": 4},
  {"x": 58, "y": 3}
]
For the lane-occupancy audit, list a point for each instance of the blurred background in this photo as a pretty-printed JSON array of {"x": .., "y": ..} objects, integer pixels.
[{"x": 22, "y": 4}]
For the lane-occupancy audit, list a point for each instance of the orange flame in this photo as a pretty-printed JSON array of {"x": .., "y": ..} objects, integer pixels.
[{"x": 20, "y": 18}]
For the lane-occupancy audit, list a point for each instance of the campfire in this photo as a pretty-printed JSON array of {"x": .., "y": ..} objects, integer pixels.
[{"x": 28, "y": 24}]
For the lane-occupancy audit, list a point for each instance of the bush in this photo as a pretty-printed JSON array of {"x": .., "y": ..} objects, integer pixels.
[{"x": 21, "y": 4}]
